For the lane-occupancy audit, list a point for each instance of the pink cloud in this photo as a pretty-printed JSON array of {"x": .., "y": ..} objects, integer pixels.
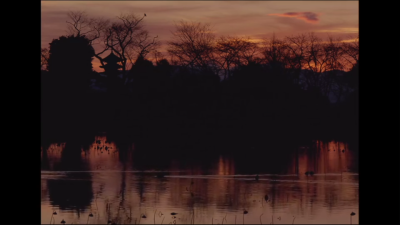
[{"x": 308, "y": 17}]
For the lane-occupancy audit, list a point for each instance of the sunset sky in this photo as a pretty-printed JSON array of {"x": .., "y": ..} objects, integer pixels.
[{"x": 257, "y": 19}]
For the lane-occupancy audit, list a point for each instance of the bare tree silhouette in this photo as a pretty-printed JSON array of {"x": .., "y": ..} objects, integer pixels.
[
  {"x": 278, "y": 83},
  {"x": 126, "y": 36},
  {"x": 80, "y": 23},
  {"x": 193, "y": 45},
  {"x": 232, "y": 52}
]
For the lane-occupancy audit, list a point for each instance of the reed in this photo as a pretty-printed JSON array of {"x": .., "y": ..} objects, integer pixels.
[
  {"x": 351, "y": 215},
  {"x": 90, "y": 215},
  {"x": 54, "y": 213},
  {"x": 244, "y": 212},
  {"x": 95, "y": 201},
  {"x": 155, "y": 216},
  {"x": 130, "y": 214},
  {"x": 224, "y": 219}
]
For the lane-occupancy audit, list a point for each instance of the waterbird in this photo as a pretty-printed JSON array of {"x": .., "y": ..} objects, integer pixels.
[
  {"x": 144, "y": 216},
  {"x": 90, "y": 215},
  {"x": 174, "y": 213},
  {"x": 309, "y": 173},
  {"x": 245, "y": 212},
  {"x": 343, "y": 150},
  {"x": 109, "y": 221},
  {"x": 145, "y": 14},
  {"x": 351, "y": 214},
  {"x": 62, "y": 221},
  {"x": 54, "y": 213},
  {"x": 266, "y": 197}
]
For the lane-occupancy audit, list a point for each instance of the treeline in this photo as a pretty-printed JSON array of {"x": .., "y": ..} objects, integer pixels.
[{"x": 226, "y": 89}]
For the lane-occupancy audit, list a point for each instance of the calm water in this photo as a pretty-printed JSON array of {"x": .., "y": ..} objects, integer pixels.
[{"x": 111, "y": 185}]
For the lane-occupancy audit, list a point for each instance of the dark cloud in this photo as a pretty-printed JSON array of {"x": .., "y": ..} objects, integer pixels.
[{"x": 308, "y": 17}]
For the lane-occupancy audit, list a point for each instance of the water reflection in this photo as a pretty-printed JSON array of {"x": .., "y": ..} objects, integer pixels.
[{"x": 113, "y": 181}]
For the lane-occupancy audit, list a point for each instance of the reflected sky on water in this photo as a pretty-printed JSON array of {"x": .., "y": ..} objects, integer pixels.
[{"x": 114, "y": 182}]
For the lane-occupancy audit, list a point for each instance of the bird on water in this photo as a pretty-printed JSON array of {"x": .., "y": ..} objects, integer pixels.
[{"x": 309, "y": 173}]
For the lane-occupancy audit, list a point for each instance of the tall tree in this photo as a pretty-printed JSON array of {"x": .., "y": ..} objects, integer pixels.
[
  {"x": 297, "y": 46},
  {"x": 80, "y": 23},
  {"x": 232, "y": 52},
  {"x": 70, "y": 59},
  {"x": 125, "y": 35},
  {"x": 351, "y": 52},
  {"x": 193, "y": 46}
]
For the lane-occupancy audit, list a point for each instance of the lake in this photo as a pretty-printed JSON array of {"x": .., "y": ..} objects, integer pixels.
[{"x": 106, "y": 182}]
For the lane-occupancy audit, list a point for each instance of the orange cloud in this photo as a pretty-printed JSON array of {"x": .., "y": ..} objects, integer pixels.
[{"x": 308, "y": 17}]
